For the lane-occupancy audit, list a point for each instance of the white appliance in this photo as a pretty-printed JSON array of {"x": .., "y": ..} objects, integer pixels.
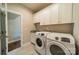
[
  {"x": 60, "y": 44},
  {"x": 39, "y": 42}
]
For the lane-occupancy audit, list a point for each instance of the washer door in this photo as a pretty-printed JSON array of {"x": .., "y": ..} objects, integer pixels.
[
  {"x": 56, "y": 48},
  {"x": 39, "y": 42}
]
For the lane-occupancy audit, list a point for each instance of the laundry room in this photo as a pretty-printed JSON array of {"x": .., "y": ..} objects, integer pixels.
[{"x": 39, "y": 28}]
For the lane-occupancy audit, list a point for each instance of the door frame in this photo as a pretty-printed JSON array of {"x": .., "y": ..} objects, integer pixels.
[
  {"x": 21, "y": 21},
  {"x": 3, "y": 30}
]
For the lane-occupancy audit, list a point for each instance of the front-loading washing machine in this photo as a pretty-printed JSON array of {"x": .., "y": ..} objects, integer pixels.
[
  {"x": 39, "y": 42},
  {"x": 60, "y": 44}
]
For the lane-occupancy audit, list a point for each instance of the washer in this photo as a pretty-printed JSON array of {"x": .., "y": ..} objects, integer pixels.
[
  {"x": 39, "y": 42},
  {"x": 60, "y": 44}
]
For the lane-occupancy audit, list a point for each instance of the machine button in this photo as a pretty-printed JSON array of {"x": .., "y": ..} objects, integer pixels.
[{"x": 56, "y": 38}]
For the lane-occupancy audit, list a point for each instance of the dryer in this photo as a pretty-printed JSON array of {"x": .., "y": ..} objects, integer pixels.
[
  {"x": 39, "y": 42},
  {"x": 60, "y": 44}
]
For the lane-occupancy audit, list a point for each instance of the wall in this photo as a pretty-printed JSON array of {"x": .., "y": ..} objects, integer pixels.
[
  {"x": 27, "y": 20},
  {"x": 64, "y": 28}
]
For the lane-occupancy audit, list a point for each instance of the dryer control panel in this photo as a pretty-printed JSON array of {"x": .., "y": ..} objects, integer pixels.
[{"x": 64, "y": 39}]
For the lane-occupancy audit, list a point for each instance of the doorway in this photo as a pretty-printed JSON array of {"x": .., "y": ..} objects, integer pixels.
[{"x": 10, "y": 30}]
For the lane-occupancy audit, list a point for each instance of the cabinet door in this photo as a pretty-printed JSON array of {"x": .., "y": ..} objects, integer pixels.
[
  {"x": 75, "y": 12},
  {"x": 45, "y": 16},
  {"x": 36, "y": 18},
  {"x": 54, "y": 14},
  {"x": 65, "y": 13}
]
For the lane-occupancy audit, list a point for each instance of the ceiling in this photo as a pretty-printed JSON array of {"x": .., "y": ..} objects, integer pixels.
[{"x": 36, "y": 6}]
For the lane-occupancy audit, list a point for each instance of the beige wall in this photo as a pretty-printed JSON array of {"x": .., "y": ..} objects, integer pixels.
[
  {"x": 27, "y": 20},
  {"x": 63, "y": 28}
]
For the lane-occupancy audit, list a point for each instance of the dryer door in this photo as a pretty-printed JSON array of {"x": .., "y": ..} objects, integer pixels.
[
  {"x": 56, "y": 48},
  {"x": 40, "y": 42}
]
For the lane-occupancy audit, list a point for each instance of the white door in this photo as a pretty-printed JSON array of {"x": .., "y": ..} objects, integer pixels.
[{"x": 65, "y": 13}]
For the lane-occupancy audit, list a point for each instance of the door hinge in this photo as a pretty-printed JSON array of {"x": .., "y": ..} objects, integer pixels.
[
  {"x": 3, "y": 32},
  {"x": 2, "y": 13}
]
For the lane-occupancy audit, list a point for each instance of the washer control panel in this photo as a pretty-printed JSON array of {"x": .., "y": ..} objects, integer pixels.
[{"x": 42, "y": 34}]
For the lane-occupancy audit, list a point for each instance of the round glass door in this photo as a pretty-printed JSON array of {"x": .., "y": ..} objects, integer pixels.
[
  {"x": 39, "y": 42},
  {"x": 56, "y": 50}
]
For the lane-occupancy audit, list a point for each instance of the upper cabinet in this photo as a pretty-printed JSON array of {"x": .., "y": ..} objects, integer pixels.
[
  {"x": 65, "y": 13},
  {"x": 36, "y": 17},
  {"x": 75, "y": 12},
  {"x": 42, "y": 16},
  {"x": 55, "y": 14},
  {"x": 45, "y": 16}
]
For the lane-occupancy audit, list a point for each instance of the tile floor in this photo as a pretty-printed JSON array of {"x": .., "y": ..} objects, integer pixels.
[{"x": 25, "y": 50}]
